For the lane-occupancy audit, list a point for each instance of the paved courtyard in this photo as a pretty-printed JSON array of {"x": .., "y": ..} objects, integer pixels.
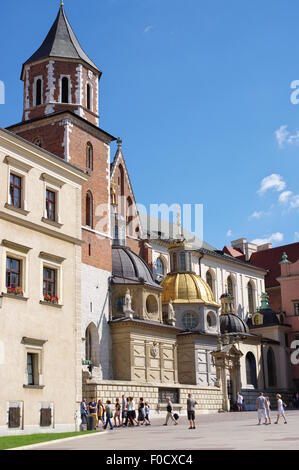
[{"x": 230, "y": 431}]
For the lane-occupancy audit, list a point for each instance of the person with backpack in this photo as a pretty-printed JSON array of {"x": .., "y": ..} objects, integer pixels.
[
  {"x": 141, "y": 412},
  {"x": 169, "y": 415},
  {"x": 109, "y": 415}
]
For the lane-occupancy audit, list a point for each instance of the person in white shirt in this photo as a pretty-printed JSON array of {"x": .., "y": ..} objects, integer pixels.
[
  {"x": 280, "y": 409},
  {"x": 240, "y": 400}
]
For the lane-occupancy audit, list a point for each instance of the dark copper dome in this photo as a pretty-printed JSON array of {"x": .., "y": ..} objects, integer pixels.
[
  {"x": 230, "y": 323},
  {"x": 129, "y": 268}
]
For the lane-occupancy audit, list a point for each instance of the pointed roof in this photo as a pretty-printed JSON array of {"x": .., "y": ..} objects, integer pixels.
[{"x": 61, "y": 42}]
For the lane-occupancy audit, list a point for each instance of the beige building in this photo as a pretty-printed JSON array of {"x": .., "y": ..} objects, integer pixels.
[{"x": 40, "y": 301}]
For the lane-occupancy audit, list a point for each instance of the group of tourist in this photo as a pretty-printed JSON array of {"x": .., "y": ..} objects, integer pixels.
[
  {"x": 124, "y": 414},
  {"x": 263, "y": 406}
]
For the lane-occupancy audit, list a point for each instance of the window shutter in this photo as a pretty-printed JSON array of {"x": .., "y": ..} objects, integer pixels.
[
  {"x": 14, "y": 420},
  {"x": 45, "y": 417}
]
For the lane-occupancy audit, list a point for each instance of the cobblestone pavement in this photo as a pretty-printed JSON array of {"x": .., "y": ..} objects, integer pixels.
[{"x": 225, "y": 431}]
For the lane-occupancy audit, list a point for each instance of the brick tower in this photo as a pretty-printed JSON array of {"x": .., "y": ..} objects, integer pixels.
[
  {"x": 61, "y": 115},
  {"x": 60, "y": 76}
]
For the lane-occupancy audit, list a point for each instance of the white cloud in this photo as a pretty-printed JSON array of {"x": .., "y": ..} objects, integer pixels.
[
  {"x": 229, "y": 233},
  {"x": 148, "y": 29},
  {"x": 294, "y": 204},
  {"x": 285, "y": 197},
  {"x": 256, "y": 215},
  {"x": 283, "y": 136},
  {"x": 273, "y": 181},
  {"x": 274, "y": 238}
]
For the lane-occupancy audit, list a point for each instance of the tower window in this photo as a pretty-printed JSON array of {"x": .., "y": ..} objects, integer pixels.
[
  {"x": 89, "y": 157},
  {"x": 89, "y": 210},
  {"x": 38, "y": 96},
  {"x": 65, "y": 90},
  {"x": 88, "y": 99}
]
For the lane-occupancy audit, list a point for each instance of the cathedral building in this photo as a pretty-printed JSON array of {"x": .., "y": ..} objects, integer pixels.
[{"x": 158, "y": 317}]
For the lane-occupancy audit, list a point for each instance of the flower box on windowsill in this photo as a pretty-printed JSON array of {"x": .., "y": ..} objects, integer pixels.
[
  {"x": 14, "y": 296},
  {"x": 15, "y": 291},
  {"x": 51, "y": 299}
]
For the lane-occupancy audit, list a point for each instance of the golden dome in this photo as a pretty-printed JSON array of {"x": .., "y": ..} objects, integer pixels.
[{"x": 187, "y": 288}]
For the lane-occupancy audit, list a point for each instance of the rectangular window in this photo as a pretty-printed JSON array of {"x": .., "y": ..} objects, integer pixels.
[
  {"x": 49, "y": 286},
  {"x": 15, "y": 190},
  {"x": 296, "y": 309},
  {"x": 13, "y": 273},
  {"x": 30, "y": 368},
  {"x": 51, "y": 205}
]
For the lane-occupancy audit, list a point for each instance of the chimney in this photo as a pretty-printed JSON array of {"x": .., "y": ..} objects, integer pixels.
[{"x": 246, "y": 248}]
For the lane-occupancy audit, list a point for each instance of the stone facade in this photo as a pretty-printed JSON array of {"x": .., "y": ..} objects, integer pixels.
[
  {"x": 40, "y": 341},
  {"x": 209, "y": 399}
]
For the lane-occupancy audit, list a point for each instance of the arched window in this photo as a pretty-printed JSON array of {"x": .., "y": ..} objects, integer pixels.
[
  {"x": 251, "y": 376},
  {"x": 65, "y": 90},
  {"x": 182, "y": 261},
  {"x": 92, "y": 345},
  {"x": 230, "y": 286},
  {"x": 209, "y": 279},
  {"x": 38, "y": 92},
  {"x": 174, "y": 262},
  {"x": 160, "y": 267},
  {"x": 89, "y": 157},
  {"x": 88, "y": 96},
  {"x": 89, "y": 210},
  {"x": 271, "y": 368},
  {"x": 250, "y": 298}
]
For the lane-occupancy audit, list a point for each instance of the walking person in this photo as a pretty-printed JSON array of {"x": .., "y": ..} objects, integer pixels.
[
  {"x": 124, "y": 410},
  {"x": 109, "y": 415},
  {"x": 147, "y": 410},
  {"x": 191, "y": 403},
  {"x": 240, "y": 400},
  {"x": 268, "y": 409},
  {"x": 133, "y": 412},
  {"x": 117, "y": 413},
  {"x": 169, "y": 415},
  {"x": 128, "y": 418},
  {"x": 100, "y": 413},
  {"x": 280, "y": 409},
  {"x": 93, "y": 411},
  {"x": 84, "y": 414},
  {"x": 141, "y": 412},
  {"x": 261, "y": 408}
]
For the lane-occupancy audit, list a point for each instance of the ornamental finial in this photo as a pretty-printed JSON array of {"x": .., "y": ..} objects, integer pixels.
[{"x": 61, "y": 4}]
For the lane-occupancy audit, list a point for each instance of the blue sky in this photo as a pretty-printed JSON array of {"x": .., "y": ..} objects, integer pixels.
[{"x": 197, "y": 90}]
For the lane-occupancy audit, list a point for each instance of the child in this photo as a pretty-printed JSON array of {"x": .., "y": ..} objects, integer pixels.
[
  {"x": 147, "y": 412},
  {"x": 280, "y": 409},
  {"x": 268, "y": 409}
]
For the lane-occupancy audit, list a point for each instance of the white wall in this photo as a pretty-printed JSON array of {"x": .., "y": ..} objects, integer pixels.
[{"x": 95, "y": 309}]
